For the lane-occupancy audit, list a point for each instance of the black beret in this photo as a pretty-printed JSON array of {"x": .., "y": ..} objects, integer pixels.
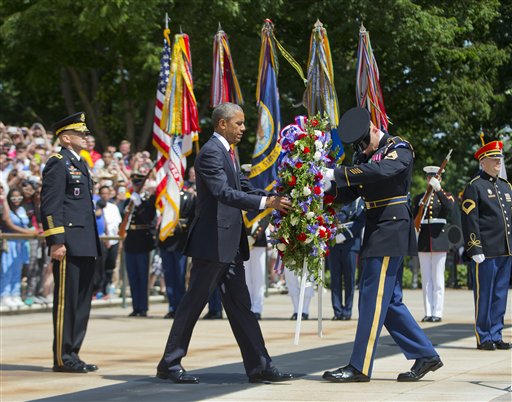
[
  {"x": 354, "y": 125},
  {"x": 74, "y": 122}
]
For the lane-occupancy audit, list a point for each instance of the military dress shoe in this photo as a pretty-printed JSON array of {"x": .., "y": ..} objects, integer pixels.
[
  {"x": 177, "y": 376},
  {"x": 270, "y": 375},
  {"x": 436, "y": 319},
  {"x": 487, "y": 345},
  {"x": 257, "y": 316},
  {"x": 420, "y": 368},
  {"x": 71, "y": 367},
  {"x": 211, "y": 315},
  {"x": 346, "y": 374},
  {"x": 304, "y": 316},
  {"x": 427, "y": 318},
  {"x": 337, "y": 318},
  {"x": 89, "y": 367},
  {"x": 170, "y": 314},
  {"x": 503, "y": 345},
  {"x": 345, "y": 318}
]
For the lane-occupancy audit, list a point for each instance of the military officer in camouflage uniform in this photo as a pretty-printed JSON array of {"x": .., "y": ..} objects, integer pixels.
[
  {"x": 382, "y": 178},
  {"x": 69, "y": 224},
  {"x": 486, "y": 224}
]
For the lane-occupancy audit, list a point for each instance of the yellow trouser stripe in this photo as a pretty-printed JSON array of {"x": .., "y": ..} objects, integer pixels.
[
  {"x": 53, "y": 231},
  {"x": 60, "y": 311},
  {"x": 477, "y": 301},
  {"x": 376, "y": 317}
]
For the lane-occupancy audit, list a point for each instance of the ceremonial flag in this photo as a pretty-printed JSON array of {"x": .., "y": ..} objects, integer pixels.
[
  {"x": 225, "y": 87},
  {"x": 368, "y": 91},
  {"x": 180, "y": 101},
  {"x": 266, "y": 149},
  {"x": 320, "y": 94},
  {"x": 168, "y": 167}
]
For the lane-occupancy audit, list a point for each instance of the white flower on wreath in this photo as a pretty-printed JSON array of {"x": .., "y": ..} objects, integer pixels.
[
  {"x": 293, "y": 193},
  {"x": 306, "y": 191},
  {"x": 318, "y": 144},
  {"x": 319, "y": 133},
  {"x": 281, "y": 246},
  {"x": 310, "y": 215},
  {"x": 294, "y": 220},
  {"x": 308, "y": 240},
  {"x": 317, "y": 156}
]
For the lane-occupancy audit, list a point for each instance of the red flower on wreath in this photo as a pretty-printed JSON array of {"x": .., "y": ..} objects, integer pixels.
[
  {"x": 301, "y": 136},
  {"x": 298, "y": 165},
  {"x": 327, "y": 252},
  {"x": 328, "y": 199},
  {"x": 320, "y": 220},
  {"x": 317, "y": 190},
  {"x": 322, "y": 233},
  {"x": 314, "y": 122},
  {"x": 307, "y": 150},
  {"x": 292, "y": 181},
  {"x": 302, "y": 237},
  {"x": 319, "y": 176}
]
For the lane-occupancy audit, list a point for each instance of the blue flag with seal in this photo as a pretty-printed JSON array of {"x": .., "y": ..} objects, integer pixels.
[{"x": 266, "y": 149}]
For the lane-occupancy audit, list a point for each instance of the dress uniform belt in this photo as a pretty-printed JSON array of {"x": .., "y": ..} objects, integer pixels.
[
  {"x": 433, "y": 220},
  {"x": 139, "y": 227},
  {"x": 346, "y": 225},
  {"x": 402, "y": 199}
]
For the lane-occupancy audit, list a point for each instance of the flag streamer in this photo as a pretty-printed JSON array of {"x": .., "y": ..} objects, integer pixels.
[
  {"x": 225, "y": 87},
  {"x": 368, "y": 90}
]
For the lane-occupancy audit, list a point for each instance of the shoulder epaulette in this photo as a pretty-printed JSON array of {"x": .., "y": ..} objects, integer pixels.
[
  {"x": 475, "y": 178},
  {"x": 58, "y": 156},
  {"x": 503, "y": 179},
  {"x": 398, "y": 142}
]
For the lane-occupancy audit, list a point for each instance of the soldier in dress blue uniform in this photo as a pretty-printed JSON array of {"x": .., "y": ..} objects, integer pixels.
[
  {"x": 382, "y": 179},
  {"x": 486, "y": 224},
  {"x": 138, "y": 244},
  {"x": 342, "y": 259},
  {"x": 70, "y": 230},
  {"x": 433, "y": 244}
]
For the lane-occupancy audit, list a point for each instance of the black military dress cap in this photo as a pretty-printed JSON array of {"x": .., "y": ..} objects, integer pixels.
[
  {"x": 75, "y": 122},
  {"x": 354, "y": 125}
]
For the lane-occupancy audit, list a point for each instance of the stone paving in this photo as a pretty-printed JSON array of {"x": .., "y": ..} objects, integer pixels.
[{"x": 128, "y": 349}]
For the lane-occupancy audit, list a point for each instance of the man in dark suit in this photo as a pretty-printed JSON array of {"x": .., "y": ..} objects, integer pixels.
[
  {"x": 382, "y": 178},
  {"x": 69, "y": 224},
  {"x": 218, "y": 245}
]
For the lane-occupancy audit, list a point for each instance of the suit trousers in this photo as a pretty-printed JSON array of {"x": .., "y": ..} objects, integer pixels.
[
  {"x": 255, "y": 274},
  {"x": 205, "y": 276},
  {"x": 342, "y": 264},
  {"x": 72, "y": 296},
  {"x": 380, "y": 303},
  {"x": 490, "y": 289},
  {"x": 432, "y": 266}
]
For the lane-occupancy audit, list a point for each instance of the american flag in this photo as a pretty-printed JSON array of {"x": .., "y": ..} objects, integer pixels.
[{"x": 169, "y": 166}]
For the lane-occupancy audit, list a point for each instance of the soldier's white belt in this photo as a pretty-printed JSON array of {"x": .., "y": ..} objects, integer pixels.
[
  {"x": 139, "y": 227},
  {"x": 433, "y": 220},
  {"x": 402, "y": 199}
]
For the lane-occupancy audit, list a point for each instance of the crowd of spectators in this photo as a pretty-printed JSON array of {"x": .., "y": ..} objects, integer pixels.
[{"x": 26, "y": 273}]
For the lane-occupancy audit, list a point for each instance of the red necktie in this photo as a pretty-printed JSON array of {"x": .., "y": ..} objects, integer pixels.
[{"x": 232, "y": 154}]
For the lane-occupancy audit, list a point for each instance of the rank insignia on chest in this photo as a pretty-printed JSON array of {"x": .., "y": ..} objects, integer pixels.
[
  {"x": 490, "y": 195},
  {"x": 76, "y": 191},
  {"x": 508, "y": 198}
]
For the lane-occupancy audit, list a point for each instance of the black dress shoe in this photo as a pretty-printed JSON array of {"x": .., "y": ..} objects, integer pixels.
[
  {"x": 503, "y": 345},
  {"x": 345, "y": 374},
  {"x": 427, "y": 318},
  {"x": 257, "y": 316},
  {"x": 212, "y": 315},
  {"x": 436, "y": 319},
  {"x": 170, "y": 314},
  {"x": 89, "y": 367},
  {"x": 270, "y": 375},
  {"x": 294, "y": 317},
  {"x": 72, "y": 367},
  {"x": 345, "y": 318},
  {"x": 487, "y": 345},
  {"x": 420, "y": 368},
  {"x": 133, "y": 314},
  {"x": 337, "y": 318},
  {"x": 305, "y": 316},
  {"x": 177, "y": 376}
]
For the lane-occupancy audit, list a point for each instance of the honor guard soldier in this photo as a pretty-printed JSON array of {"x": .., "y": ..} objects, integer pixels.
[
  {"x": 382, "y": 179},
  {"x": 342, "y": 259},
  {"x": 138, "y": 244},
  {"x": 70, "y": 230},
  {"x": 486, "y": 224},
  {"x": 433, "y": 244}
]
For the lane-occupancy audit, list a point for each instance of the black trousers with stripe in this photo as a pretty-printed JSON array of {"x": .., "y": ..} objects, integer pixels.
[{"x": 72, "y": 297}]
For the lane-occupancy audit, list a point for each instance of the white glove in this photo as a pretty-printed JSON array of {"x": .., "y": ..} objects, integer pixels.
[
  {"x": 328, "y": 179},
  {"x": 136, "y": 199},
  {"x": 435, "y": 183},
  {"x": 479, "y": 258},
  {"x": 340, "y": 238}
]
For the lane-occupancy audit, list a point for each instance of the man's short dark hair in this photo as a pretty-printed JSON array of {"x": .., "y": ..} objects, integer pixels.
[
  {"x": 103, "y": 187},
  {"x": 225, "y": 111}
]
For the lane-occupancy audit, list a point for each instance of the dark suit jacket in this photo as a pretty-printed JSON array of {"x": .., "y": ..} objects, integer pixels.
[
  {"x": 67, "y": 209},
  {"x": 217, "y": 231}
]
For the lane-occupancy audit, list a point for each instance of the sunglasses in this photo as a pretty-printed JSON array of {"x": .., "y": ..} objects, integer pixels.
[
  {"x": 16, "y": 198},
  {"x": 363, "y": 144}
]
